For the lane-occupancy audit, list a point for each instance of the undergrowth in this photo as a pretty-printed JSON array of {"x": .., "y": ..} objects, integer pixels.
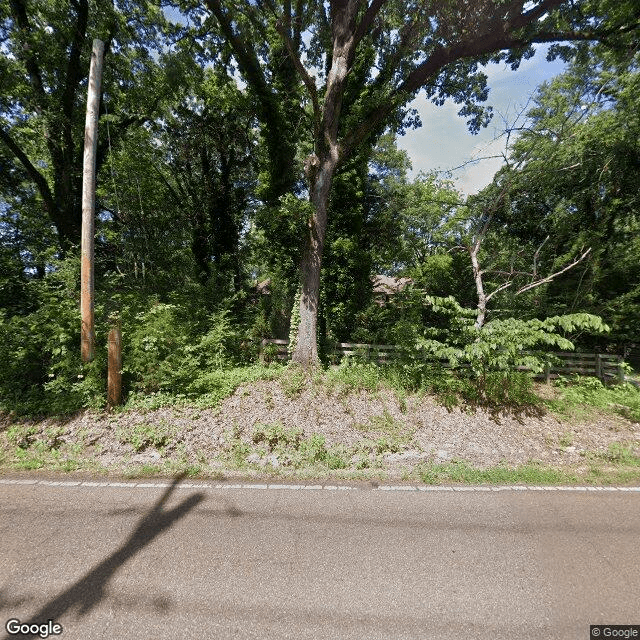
[{"x": 576, "y": 393}]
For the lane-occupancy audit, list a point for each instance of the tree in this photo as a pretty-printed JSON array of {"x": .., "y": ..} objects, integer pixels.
[
  {"x": 43, "y": 74},
  {"x": 209, "y": 145},
  {"x": 573, "y": 179},
  {"x": 394, "y": 50}
]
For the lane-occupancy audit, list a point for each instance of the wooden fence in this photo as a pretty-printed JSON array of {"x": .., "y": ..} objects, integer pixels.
[{"x": 608, "y": 368}]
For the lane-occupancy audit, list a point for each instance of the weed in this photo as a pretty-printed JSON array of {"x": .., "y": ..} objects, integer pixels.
[
  {"x": 21, "y": 436},
  {"x": 141, "y": 436},
  {"x": 579, "y": 392},
  {"x": 293, "y": 381},
  {"x": 276, "y": 436},
  {"x": 142, "y": 471},
  {"x": 335, "y": 459},
  {"x": 352, "y": 376},
  {"x": 566, "y": 439},
  {"x": 235, "y": 450},
  {"x": 621, "y": 454},
  {"x": 268, "y": 400},
  {"x": 362, "y": 461},
  {"x": 461, "y": 472},
  {"x": 398, "y": 438},
  {"x": 384, "y": 445},
  {"x": 313, "y": 449},
  {"x": 207, "y": 391},
  {"x": 54, "y": 436}
]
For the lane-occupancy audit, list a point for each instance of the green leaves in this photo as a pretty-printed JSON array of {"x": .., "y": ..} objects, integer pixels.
[
  {"x": 576, "y": 182},
  {"x": 501, "y": 344}
]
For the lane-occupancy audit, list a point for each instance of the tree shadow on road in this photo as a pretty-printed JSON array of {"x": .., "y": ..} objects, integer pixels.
[{"x": 89, "y": 590}]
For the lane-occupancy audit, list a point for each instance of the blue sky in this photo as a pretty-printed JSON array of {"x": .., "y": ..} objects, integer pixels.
[{"x": 444, "y": 142}]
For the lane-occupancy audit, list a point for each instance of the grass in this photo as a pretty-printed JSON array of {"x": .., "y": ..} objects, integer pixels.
[
  {"x": 577, "y": 397},
  {"x": 209, "y": 390},
  {"x": 143, "y": 436},
  {"x": 395, "y": 435},
  {"x": 459, "y": 472},
  {"x": 272, "y": 446}
]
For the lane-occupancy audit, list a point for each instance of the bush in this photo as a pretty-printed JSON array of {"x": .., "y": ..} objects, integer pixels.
[
  {"x": 485, "y": 361},
  {"x": 166, "y": 354},
  {"x": 42, "y": 372},
  {"x": 579, "y": 391}
]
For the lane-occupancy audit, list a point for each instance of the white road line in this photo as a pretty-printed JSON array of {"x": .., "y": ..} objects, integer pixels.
[{"x": 309, "y": 487}]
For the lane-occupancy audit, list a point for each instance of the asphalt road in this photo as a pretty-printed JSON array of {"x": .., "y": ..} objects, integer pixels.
[{"x": 132, "y": 562}]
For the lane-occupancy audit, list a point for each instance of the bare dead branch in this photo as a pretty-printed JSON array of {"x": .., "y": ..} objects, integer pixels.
[
  {"x": 537, "y": 283},
  {"x": 536, "y": 255}
]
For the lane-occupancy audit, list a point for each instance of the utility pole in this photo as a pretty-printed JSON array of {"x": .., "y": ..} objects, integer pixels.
[{"x": 88, "y": 203}]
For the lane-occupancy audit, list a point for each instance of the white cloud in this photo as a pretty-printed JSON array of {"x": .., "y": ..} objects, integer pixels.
[{"x": 444, "y": 142}]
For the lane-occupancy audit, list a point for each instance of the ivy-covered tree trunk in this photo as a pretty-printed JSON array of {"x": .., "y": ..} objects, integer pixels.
[
  {"x": 320, "y": 177},
  {"x": 320, "y": 170}
]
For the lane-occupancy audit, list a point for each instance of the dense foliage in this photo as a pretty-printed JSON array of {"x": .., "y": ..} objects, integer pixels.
[{"x": 203, "y": 210}]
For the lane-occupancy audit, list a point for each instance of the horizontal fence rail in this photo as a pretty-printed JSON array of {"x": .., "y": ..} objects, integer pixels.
[{"x": 606, "y": 367}]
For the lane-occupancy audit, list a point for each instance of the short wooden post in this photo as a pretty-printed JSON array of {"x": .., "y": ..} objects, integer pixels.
[
  {"x": 547, "y": 373},
  {"x": 620, "y": 370},
  {"x": 599, "y": 367},
  {"x": 114, "y": 374}
]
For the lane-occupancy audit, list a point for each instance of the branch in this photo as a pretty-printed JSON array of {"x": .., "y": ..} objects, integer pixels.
[
  {"x": 502, "y": 287},
  {"x": 73, "y": 66},
  {"x": 367, "y": 19},
  {"x": 486, "y": 42},
  {"x": 537, "y": 283},
  {"x": 36, "y": 176},
  {"x": 537, "y": 12},
  {"x": 247, "y": 59},
  {"x": 170, "y": 187},
  {"x": 20, "y": 16},
  {"x": 284, "y": 28},
  {"x": 535, "y": 256}
]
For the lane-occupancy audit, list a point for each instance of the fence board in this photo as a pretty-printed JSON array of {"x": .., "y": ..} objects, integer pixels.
[{"x": 603, "y": 366}]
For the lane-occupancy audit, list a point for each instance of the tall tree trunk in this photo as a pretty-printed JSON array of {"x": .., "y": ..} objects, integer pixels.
[
  {"x": 320, "y": 170},
  {"x": 306, "y": 351}
]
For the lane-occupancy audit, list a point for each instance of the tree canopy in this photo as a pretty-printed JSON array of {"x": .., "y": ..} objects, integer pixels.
[
  {"x": 247, "y": 165},
  {"x": 361, "y": 63}
]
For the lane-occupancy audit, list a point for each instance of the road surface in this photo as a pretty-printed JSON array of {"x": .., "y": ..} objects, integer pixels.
[{"x": 184, "y": 561}]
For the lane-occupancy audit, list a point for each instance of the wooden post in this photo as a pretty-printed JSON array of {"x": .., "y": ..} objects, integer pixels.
[
  {"x": 88, "y": 203},
  {"x": 547, "y": 373},
  {"x": 621, "y": 376},
  {"x": 599, "y": 367},
  {"x": 114, "y": 375}
]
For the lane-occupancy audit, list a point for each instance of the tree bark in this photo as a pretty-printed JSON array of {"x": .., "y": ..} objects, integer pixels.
[
  {"x": 306, "y": 351},
  {"x": 481, "y": 310},
  {"x": 320, "y": 170}
]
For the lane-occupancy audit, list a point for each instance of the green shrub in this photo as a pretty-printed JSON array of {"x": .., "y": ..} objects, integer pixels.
[
  {"x": 21, "y": 436},
  {"x": 622, "y": 454},
  {"x": 275, "y": 436},
  {"x": 352, "y": 375},
  {"x": 313, "y": 449},
  {"x": 293, "y": 380},
  {"x": 581, "y": 391},
  {"x": 483, "y": 363},
  {"x": 42, "y": 372},
  {"x": 156, "y": 351}
]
